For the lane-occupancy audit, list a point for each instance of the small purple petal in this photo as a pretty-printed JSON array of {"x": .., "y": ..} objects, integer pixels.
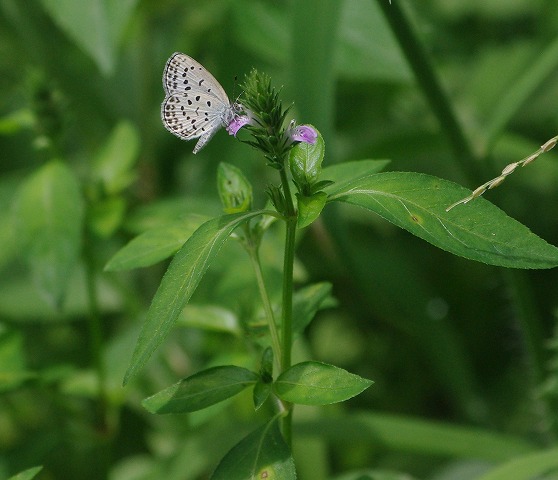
[
  {"x": 237, "y": 123},
  {"x": 304, "y": 133}
]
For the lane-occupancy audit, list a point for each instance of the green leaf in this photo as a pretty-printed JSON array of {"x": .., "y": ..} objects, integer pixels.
[
  {"x": 179, "y": 283},
  {"x": 262, "y": 454},
  {"x": 49, "y": 221},
  {"x": 351, "y": 171},
  {"x": 305, "y": 163},
  {"x": 201, "y": 390},
  {"x": 96, "y": 26},
  {"x": 478, "y": 230},
  {"x": 261, "y": 393},
  {"x": 306, "y": 302},
  {"x": 309, "y": 208},
  {"x": 155, "y": 245},
  {"x": 27, "y": 474},
  {"x": 234, "y": 189},
  {"x": 527, "y": 467},
  {"x": 113, "y": 165},
  {"x": 315, "y": 383}
]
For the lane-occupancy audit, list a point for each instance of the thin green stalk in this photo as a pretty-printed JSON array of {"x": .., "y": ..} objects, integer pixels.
[
  {"x": 257, "y": 266},
  {"x": 96, "y": 344},
  {"x": 287, "y": 300}
]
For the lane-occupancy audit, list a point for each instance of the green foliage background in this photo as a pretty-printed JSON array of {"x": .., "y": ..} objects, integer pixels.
[{"x": 458, "y": 350}]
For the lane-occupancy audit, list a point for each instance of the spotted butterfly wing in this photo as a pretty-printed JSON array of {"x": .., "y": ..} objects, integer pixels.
[{"x": 195, "y": 104}]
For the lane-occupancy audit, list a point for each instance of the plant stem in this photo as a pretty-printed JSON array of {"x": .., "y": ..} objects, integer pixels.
[
  {"x": 257, "y": 266},
  {"x": 287, "y": 300},
  {"x": 96, "y": 344}
]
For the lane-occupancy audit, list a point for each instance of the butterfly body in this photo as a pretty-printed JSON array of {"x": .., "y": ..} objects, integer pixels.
[{"x": 195, "y": 104}]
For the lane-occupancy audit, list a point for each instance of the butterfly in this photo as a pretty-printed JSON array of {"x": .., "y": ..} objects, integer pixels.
[{"x": 195, "y": 104}]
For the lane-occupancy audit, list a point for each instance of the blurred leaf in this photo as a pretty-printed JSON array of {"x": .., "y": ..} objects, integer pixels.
[
  {"x": 96, "y": 26},
  {"x": 410, "y": 435},
  {"x": 478, "y": 231},
  {"x": 533, "y": 77},
  {"x": 261, "y": 28},
  {"x": 527, "y": 467},
  {"x": 49, "y": 216},
  {"x": 315, "y": 383},
  {"x": 155, "y": 245},
  {"x": 234, "y": 189},
  {"x": 374, "y": 474},
  {"x": 350, "y": 171},
  {"x": 367, "y": 49},
  {"x": 262, "y": 454},
  {"x": 179, "y": 283},
  {"x": 12, "y": 362},
  {"x": 209, "y": 317},
  {"x": 16, "y": 121},
  {"x": 106, "y": 215},
  {"x": 201, "y": 390},
  {"x": 27, "y": 474},
  {"x": 113, "y": 164},
  {"x": 306, "y": 302}
]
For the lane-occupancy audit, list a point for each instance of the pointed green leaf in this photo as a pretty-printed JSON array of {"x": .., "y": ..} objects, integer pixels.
[
  {"x": 155, "y": 245},
  {"x": 201, "y": 390},
  {"x": 309, "y": 208},
  {"x": 315, "y": 383},
  {"x": 49, "y": 222},
  {"x": 261, "y": 394},
  {"x": 179, "y": 283},
  {"x": 262, "y": 454},
  {"x": 27, "y": 474},
  {"x": 477, "y": 231}
]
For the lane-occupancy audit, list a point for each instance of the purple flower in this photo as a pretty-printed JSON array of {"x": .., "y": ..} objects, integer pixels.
[
  {"x": 237, "y": 123},
  {"x": 304, "y": 133}
]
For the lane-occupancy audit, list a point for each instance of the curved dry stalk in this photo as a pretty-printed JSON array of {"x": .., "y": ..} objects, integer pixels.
[{"x": 508, "y": 170}]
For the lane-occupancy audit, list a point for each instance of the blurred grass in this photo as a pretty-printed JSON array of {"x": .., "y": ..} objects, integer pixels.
[{"x": 443, "y": 338}]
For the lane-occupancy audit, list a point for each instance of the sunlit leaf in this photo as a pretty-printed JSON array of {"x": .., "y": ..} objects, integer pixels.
[
  {"x": 477, "y": 231},
  {"x": 315, "y": 383}
]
